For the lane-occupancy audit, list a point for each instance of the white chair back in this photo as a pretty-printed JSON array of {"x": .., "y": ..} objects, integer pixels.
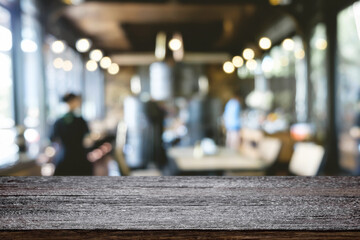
[
  {"x": 269, "y": 149},
  {"x": 306, "y": 159}
]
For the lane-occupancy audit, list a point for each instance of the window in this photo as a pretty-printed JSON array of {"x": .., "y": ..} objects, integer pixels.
[
  {"x": 349, "y": 84},
  {"x": 32, "y": 80},
  {"x": 6, "y": 83},
  {"x": 8, "y": 148}
]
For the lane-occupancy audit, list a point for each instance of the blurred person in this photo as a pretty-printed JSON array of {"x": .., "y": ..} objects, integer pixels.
[
  {"x": 232, "y": 122},
  {"x": 69, "y": 132}
]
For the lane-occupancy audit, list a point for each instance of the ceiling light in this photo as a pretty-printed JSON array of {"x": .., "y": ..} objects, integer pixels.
[
  {"x": 251, "y": 65},
  {"x": 280, "y": 2},
  {"x": 58, "y": 63},
  {"x": 321, "y": 44},
  {"x": 113, "y": 69},
  {"x": 238, "y": 61},
  {"x": 83, "y": 45},
  {"x": 265, "y": 43},
  {"x": 58, "y": 46},
  {"x": 105, "y": 62},
  {"x": 228, "y": 67},
  {"x": 91, "y": 65},
  {"x": 274, "y": 2},
  {"x": 175, "y": 44},
  {"x": 248, "y": 54},
  {"x": 288, "y": 44},
  {"x": 72, "y": 2},
  {"x": 299, "y": 54},
  {"x": 67, "y": 66},
  {"x": 160, "y": 48},
  {"x": 96, "y": 55}
]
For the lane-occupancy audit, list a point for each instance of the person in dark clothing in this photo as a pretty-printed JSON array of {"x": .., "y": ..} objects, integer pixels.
[{"x": 69, "y": 131}]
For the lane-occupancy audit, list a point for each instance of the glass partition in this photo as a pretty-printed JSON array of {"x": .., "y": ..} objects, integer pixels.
[{"x": 349, "y": 87}]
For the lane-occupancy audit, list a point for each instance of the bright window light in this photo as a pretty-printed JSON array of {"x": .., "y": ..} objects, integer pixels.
[
  {"x": 5, "y": 39},
  {"x": 28, "y": 46}
]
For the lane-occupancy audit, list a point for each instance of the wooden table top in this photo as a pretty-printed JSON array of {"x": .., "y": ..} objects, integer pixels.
[
  {"x": 225, "y": 159},
  {"x": 180, "y": 207}
]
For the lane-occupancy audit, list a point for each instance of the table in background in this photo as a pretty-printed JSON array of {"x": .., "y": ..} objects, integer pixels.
[{"x": 225, "y": 159}]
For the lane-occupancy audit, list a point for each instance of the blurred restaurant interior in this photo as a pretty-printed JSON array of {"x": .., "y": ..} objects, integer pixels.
[{"x": 180, "y": 87}]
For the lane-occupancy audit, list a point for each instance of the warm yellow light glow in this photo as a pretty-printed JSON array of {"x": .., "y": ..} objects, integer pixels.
[
  {"x": 299, "y": 54},
  {"x": 251, "y": 64},
  {"x": 50, "y": 151},
  {"x": 105, "y": 62},
  {"x": 274, "y": 2},
  {"x": 91, "y": 65},
  {"x": 135, "y": 84},
  {"x": 175, "y": 44},
  {"x": 67, "y": 66},
  {"x": 265, "y": 43},
  {"x": 238, "y": 61},
  {"x": 113, "y": 69},
  {"x": 248, "y": 54},
  {"x": 288, "y": 44},
  {"x": 96, "y": 55},
  {"x": 321, "y": 44},
  {"x": 58, "y": 63},
  {"x": 160, "y": 48},
  {"x": 228, "y": 67},
  {"x": 58, "y": 46},
  {"x": 83, "y": 45}
]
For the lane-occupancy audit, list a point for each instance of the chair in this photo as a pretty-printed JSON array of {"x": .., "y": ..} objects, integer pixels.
[
  {"x": 307, "y": 159},
  {"x": 269, "y": 149}
]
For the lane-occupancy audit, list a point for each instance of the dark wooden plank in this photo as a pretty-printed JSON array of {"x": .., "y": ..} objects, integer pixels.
[
  {"x": 180, "y": 203},
  {"x": 182, "y": 235}
]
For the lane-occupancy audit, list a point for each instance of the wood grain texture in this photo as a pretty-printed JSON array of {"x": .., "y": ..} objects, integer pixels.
[
  {"x": 171, "y": 235},
  {"x": 180, "y": 204}
]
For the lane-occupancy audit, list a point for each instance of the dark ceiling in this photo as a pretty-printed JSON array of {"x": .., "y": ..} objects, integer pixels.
[
  {"x": 206, "y": 25},
  {"x": 131, "y": 26}
]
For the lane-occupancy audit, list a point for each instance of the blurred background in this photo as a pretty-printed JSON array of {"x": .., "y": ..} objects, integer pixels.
[{"x": 180, "y": 87}]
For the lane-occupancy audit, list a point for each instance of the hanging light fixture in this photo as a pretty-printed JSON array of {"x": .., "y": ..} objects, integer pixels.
[
  {"x": 177, "y": 46},
  {"x": 160, "y": 48},
  {"x": 228, "y": 67},
  {"x": 83, "y": 45},
  {"x": 248, "y": 54},
  {"x": 96, "y": 55},
  {"x": 105, "y": 62}
]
